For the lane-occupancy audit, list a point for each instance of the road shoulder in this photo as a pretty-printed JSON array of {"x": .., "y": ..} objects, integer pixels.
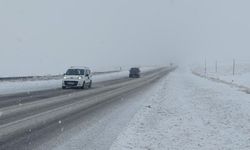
[{"x": 190, "y": 113}]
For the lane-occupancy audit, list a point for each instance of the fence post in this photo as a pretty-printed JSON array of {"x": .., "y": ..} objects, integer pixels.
[
  {"x": 233, "y": 67},
  {"x": 216, "y": 66},
  {"x": 205, "y": 67}
]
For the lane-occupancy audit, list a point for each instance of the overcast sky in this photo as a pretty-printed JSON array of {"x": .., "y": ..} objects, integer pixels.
[{"x": 47, "y": 36}]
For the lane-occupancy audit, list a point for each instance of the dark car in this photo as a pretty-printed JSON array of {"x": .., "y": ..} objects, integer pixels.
[{"x": 135, "y": 73}]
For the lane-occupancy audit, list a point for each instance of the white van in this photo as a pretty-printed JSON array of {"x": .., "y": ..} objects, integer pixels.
[{"x": 77, "y": 77}]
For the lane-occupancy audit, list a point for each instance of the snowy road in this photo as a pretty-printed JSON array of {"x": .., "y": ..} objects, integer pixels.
[
  {"x": 186, "y": 112},
  {"x": 180, "y": 111},
  {"x": 44, "y": 115}
]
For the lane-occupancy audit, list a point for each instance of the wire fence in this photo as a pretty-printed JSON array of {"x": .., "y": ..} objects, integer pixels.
[{"x": 218, "y": 67}]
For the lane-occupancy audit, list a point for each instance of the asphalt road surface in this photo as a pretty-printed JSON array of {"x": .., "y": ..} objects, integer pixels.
[{"x": 43, "y": 119}]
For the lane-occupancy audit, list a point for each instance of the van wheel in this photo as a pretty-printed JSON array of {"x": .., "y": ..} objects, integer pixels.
[
  {"x": 90, "y": 84},
  {"x": 83, "y": 85}
]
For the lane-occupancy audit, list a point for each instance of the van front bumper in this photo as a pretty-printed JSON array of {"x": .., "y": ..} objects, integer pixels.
[{"x": 72, "y": 83}]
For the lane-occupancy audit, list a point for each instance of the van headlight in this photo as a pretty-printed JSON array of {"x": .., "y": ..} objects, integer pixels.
[
  {"x": 79, "y": 78},
  {"x": 64, "y": 77}
]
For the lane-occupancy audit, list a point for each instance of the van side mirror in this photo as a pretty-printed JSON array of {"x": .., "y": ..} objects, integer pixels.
[{"x": 64, "y": 74}]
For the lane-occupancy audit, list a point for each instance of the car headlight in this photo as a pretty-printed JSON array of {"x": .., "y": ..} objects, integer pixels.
[
  {"x": 65, "y": 77},
  {"x": 79, "y": 78}
]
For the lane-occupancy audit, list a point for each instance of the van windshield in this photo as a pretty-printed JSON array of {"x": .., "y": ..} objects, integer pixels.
[
  {"x": 75, "y": 72},
  {"x": 134, "y": 70}
]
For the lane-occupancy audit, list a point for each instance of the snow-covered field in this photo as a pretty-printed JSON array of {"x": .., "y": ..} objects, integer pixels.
[
  {"x": 187, "y": 112},
  {"x": 225, "y": 73},
  {"x": 27, "y": 86}
]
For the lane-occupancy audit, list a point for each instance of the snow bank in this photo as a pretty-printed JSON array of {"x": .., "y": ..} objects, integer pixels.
[
  {"x": 190, "y": 113},
  {"x": 27, "y": 86},
  {"x": 225, "y": 73}
]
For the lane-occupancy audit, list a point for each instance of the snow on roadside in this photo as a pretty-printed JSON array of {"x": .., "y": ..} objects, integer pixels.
[
  {"x": 243, "y": 79},
  {"x": 28, "y": 86},
  {"x": 190, "y": 113},
  {"x": 225, "y": 73}
]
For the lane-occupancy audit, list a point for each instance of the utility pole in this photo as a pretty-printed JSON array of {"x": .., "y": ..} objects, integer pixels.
[
  {"x": 205, "y": 69},
  {"x": 216, "y": 66},
  {"x": 233, "y": 67}
]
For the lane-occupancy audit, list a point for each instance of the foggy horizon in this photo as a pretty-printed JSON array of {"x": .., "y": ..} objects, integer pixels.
[
  {"x": 124, "y": 74},
  {"x": 46, "y": 37}
]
